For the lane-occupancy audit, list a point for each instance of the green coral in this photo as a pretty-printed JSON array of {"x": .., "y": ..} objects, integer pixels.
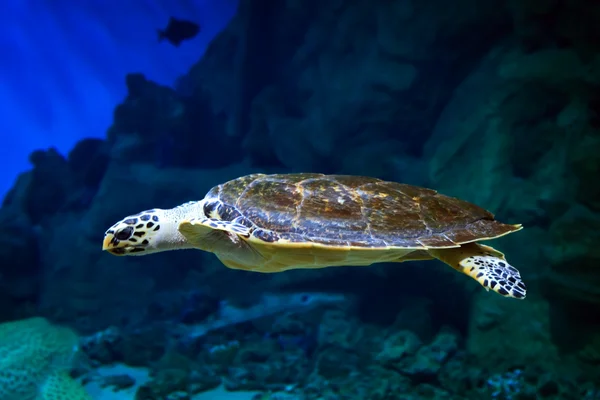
[{"x": 35, "y": 359}]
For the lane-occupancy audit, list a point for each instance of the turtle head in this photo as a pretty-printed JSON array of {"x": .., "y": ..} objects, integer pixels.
[{"x": 148, "y": 232}]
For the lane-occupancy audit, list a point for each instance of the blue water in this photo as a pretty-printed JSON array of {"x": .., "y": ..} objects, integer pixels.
[{"x": 64, "y": 61}]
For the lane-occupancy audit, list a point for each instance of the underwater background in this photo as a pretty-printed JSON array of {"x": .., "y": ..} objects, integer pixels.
[{"x": 496, "y": 103}]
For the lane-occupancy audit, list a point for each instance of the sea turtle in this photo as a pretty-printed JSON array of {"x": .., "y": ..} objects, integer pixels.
[{"x": 273, "y": 223}]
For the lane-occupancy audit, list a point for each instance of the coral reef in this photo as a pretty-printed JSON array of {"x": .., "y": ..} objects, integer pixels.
[
  {"x": 349, "y": 359},
  {"x": 35, "y": 360}
]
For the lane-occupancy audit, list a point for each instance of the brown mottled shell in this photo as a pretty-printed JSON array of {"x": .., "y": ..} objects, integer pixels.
[{"x": 350, "y": 211}]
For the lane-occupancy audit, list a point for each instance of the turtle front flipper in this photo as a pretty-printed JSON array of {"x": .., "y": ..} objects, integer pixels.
[
  {"x": 486, "y": 265},
  {"x": 224, "y": 238},
  {"x": 198, "y": 231}
]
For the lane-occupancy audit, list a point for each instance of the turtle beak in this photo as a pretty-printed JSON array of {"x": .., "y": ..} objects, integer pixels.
[
  {"x": 107, "y": 243},
  {"x": 112, "y": 245}
]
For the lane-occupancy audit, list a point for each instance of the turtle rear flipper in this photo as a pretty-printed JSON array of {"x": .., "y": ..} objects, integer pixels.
[{"x": 487, "y": 266}]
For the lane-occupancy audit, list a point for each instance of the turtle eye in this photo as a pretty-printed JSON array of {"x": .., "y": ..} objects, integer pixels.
[{"x": 124, "y": 233}]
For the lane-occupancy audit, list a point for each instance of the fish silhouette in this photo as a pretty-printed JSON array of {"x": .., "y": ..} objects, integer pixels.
[
  {"x": 268, "y": 305},
  {"x": 178, "y": 30}
]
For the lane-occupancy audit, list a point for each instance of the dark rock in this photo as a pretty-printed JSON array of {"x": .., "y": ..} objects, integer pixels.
[
  {"x": 143, "y": 348},
  {"x": 103, "y": 347},
  {"x": 88, "y": 161},
  {"x": 298, "y": 97},
  {"x": 334, "y": 363},
  {"x": 549, "y": 388},
  {"x": 156, "y": 125},
  {"x": 573, "y": 259},
  {"x": 429, "y": 359},
  {"x": 117, "y": 382},
  {"x": 399, "y": 345},
  {"x": 551, "y": 23},
  {"x": 19, "y": 257},
  {"x": 145, "y": 392},
  {"x": 175, "y": 374},
  {"x": 262, "y": 365},
  {"x": 51, "y": 186}
]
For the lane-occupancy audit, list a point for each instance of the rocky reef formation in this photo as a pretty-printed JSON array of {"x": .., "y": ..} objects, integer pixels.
[
  {"x": 327, "y": 355},
  {"x": 496, "y": 103}
]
